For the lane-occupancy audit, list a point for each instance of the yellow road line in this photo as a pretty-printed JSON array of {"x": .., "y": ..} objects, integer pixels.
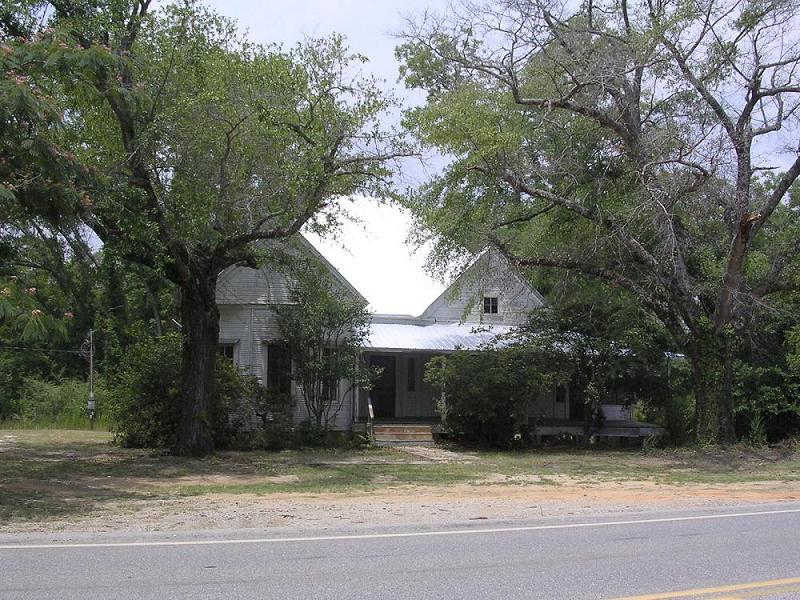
[{"x": 722, "y": 589}]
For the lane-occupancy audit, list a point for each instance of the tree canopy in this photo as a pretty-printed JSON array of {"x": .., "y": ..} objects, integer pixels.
[
  {"x": 650, "y": 145},
  {"x": 195, "y": 144}
]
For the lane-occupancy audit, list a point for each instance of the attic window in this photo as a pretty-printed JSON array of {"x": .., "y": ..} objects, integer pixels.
[{"x": 490, "y": 305}]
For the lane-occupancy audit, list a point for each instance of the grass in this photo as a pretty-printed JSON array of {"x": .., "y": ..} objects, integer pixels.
[
  {"x": 678, "y": 466},
  {"x": 48, "y": 474},
  {"x": 62, "y": 423}
]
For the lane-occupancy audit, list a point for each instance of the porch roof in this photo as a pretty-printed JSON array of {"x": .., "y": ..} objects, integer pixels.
[{"x": 438, "y": 337}]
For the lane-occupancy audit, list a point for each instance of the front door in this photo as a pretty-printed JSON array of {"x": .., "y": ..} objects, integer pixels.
[{"x": 383, "y": 392}]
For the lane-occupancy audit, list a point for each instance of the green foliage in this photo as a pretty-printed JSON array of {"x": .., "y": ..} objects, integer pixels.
[
  {"x": 668, "y": 401},
  {"x": 143, "y": 391},
  {"x": 22, "y": 317},
  {"x": 181, "y": 145},
  {"x": 59, "y": 404},
  {"x": 142, "y": 401},
  {"x": 767, "y": 403},
  {"x": 258, "y": 418},
  {"x": 324, "y": 329},
  {"x": 767, "y": 383},
  {"x": 573, "y": 144},
  {"x": 487, "y": 395}
]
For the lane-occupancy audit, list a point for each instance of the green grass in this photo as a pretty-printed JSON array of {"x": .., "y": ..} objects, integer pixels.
[
  {"x": 62, "y": 423},
  {"x": 666, "y": 466},
  {"x": 47, "y": 474}
]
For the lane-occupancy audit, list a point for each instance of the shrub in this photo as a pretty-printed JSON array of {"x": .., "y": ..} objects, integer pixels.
[
  {"x": 144, "y": 401},
  {"x": 487, "y": 394},
  {"x": 16, "y": 367},
  {"x": 257, "y": 417},
  {"x": 767, "y": 405},
  {"x": 143, "y": 393}
]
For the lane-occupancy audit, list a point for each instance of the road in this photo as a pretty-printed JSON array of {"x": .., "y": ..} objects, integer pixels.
[{"x": 748, "y": 552}]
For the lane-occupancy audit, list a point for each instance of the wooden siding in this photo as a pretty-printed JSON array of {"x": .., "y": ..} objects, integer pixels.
[
  {"x": 490, "y": 275},
  {"x": 251, "y": 328},
  {"x": 242, "y": 285}
]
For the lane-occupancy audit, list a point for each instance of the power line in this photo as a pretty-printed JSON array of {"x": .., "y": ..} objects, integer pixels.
[{"x": 41, "y": 350}]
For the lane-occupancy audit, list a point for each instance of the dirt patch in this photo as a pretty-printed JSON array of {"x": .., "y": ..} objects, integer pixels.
[
  {"x": 51, "y": 481},
  {"x": 439, "y": 455},
  {"x": 414, "y": 505}
]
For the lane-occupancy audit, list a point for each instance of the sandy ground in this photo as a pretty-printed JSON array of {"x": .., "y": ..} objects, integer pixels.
[
  {"x": 411, "y": 505},
  {"x": 500, "y": 499}
]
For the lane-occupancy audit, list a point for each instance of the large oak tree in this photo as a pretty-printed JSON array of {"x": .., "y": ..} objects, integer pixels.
[
  {"x": 204, "y": 146},
  {"x": 652, "y": 145}
]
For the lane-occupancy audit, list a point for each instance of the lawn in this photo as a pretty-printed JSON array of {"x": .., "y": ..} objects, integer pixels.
[{"x": 49, "y": 474}]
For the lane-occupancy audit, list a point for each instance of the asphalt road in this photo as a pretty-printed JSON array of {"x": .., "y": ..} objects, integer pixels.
[{"x": 749, "y": 552}]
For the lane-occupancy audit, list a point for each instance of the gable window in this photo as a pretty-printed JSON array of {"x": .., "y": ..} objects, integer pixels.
[
  {"x": 490, "y": 305},
  {"x": 227, "y": 352},
  {"x": 279, "y": 368}
]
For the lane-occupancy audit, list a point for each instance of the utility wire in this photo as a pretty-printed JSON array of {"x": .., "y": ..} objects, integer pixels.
[{"x": 42, "y": 350}]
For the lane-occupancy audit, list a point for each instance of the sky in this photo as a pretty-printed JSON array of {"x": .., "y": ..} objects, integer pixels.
[{"x": 371, "y": 254}]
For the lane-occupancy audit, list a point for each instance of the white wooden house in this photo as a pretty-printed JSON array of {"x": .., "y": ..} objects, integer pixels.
[{"x": 487, "y": 300}]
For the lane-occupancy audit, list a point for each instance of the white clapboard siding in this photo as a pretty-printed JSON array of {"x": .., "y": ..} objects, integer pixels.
[
  {"x": 489, "y": 275},
  {"x": 247, "y": 298},
  {"x": 242, "y": 285}
]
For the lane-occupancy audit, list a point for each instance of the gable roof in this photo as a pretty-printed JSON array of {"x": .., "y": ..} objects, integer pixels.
[
  {"x": 327, "y": 264},
  {"x": 268, "y": 285},
  {"x": 472, "y": 281}
]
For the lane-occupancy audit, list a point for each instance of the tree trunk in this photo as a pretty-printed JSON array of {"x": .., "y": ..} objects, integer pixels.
[
  {"x": 200, "y": 328},
  {"x": 725, "y": 409},
  {"x": 712, "y": 382},
  {"x": 703, "y": 430}
]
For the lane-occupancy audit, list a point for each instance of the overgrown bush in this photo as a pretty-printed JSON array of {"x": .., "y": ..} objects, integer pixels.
[
  {"x": 487, "y": 394},
  {"x": 767, "y": 405},
  {"x": 56, "y": 404},
  {"x": 669, "y": 402},
  {"x": 258, "y": 418},
  {"x": 143, "y": 389},
  {"x": 15, "y": 368},
  {"x": 144, "y": 404}
]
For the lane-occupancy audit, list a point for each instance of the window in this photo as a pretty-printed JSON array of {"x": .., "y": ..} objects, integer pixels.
[
  {"x": 411, "y": 375},
  {"x": 228, "y": 352},
  {"x": 279, "y": 368},
  {"x": 561, "y": 394},
  {"x": 490, "y": 305},
  {"x": 330, "y": 387}
]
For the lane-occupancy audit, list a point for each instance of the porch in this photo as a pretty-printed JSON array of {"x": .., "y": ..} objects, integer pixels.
[
  {"x": 399, "y": 395},
  {"x": 610, "y": 429}
]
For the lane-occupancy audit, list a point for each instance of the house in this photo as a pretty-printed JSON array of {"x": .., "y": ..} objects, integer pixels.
[{"x": 488, "y": 299}]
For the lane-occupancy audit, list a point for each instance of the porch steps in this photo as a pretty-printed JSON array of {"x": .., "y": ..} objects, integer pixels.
[{"x": 399, "y": 433}]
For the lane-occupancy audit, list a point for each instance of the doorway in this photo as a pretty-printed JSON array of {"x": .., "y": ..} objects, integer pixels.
[{"x": 384, "y": 391}]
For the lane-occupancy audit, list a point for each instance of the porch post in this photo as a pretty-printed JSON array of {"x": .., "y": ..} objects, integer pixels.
[{"x": 356, "y": 397}]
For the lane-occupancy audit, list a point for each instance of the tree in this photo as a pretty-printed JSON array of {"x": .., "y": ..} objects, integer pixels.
[
  {"x": 325, "y": 329},
  {"x": 627, "y": 143},
  {"x": 204, "y": 144}
]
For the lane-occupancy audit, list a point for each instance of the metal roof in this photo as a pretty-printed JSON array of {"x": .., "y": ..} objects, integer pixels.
[{"x": 440, "y": 337}]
